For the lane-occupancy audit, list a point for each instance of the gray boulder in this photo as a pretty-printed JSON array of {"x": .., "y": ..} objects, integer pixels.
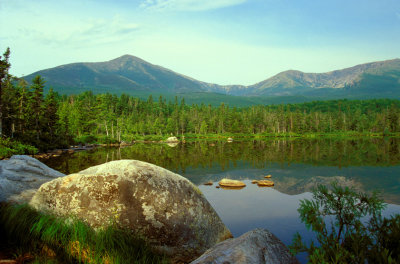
[
  {"x": 254, "y": 247},
  {"x": 21, "y": 176},
  {"x": 164, "y": 207}
]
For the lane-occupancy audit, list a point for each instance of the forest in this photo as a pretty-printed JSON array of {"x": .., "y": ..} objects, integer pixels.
[{"x": 48, "y": 121}]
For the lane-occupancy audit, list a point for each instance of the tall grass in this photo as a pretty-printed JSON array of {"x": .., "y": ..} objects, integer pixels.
[{"x": 70, "y": 240}]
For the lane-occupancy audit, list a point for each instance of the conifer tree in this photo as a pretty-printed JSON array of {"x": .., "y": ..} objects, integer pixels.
[{"x": 4, "y": 78}]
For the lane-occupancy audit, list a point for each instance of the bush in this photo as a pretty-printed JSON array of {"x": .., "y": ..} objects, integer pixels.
[
  {"x": 9, "y": 147},
  {"x": 349, "y": 228},
  {"x": 86, "y": 139},
  {"x": 107, "y": 140},
  {"x": 153, "y": 138}
]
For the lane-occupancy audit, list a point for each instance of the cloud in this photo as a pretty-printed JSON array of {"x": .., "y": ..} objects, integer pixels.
[
  {"x": 188, "y": 5},
  {"x": 79, "y": 33}
]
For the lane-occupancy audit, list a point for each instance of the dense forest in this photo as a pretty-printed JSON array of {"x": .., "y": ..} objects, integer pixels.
[{"x": 52, "y": 120}]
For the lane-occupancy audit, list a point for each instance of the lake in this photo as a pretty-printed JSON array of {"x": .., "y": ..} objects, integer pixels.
[{"x": 296, "y": 166}]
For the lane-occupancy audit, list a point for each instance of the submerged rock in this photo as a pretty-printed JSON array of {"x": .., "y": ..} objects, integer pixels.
[
  {"x": 254, "y": 247},
  {"x": 165, "y": 208},
  {"x": 265, "y": 183},
  {"x": 231, "y": 183},
  {"x": 21, "y": 176},
  {"x": 268, "y": 176}
]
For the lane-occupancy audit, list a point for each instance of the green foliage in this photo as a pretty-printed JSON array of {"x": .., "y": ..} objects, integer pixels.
[
  {"x": 72, "y": 240},
  {"x": 54, "y": 121},
  {"x": 349, "y": 228},
  {"x": 107, "y": 140},
  {"x": 86, "y": 139},
  {"x": 11, "y": 147}
]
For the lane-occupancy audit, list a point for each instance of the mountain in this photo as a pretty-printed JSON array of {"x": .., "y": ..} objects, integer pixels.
[
  {"x": 126, "y": 73},
  {"x": 132, "y": 75},
  {"x": 375, "y": 77}
]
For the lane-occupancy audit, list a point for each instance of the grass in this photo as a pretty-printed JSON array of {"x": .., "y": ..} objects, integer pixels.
[{"x": 49, "y": 239}]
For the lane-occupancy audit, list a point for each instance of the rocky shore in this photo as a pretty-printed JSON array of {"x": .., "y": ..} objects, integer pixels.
[{"x": 165, "y": 208}]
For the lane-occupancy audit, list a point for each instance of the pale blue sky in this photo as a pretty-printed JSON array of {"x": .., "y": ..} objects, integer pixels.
[{"x": 219, "y": 41}]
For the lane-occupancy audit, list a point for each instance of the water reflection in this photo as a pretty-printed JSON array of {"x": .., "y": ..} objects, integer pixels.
[{"x": 296, "y": 167}]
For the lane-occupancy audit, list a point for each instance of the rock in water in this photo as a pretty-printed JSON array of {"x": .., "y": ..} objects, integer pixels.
[
  {"x": 172, "y": 140},
  {"x": 231, "y": 183},
  {"x": 21, "y": 176},
  {"x": 254, "y": 247},
  {"x": 166, "y": 208},
  {"x": 265, "y": 183}
]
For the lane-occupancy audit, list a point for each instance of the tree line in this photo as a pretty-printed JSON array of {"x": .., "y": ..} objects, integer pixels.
[{"x": 51, "y": 120}]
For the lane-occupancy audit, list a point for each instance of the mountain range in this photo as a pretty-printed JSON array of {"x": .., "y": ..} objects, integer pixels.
[{"x": 132, "y": 75}]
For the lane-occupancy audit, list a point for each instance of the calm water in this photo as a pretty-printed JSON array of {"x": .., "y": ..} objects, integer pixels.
[{"x": 295, "y": 165}]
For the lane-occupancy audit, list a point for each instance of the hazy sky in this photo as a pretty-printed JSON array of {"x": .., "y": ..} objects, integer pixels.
[{"x": 219, "y": 41}]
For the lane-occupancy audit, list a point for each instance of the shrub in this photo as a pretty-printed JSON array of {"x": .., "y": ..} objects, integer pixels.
[
  {"x": 86, "y": 139},
  {"x": 9, "y": 147},
  {"x": 349, "y": 228}
]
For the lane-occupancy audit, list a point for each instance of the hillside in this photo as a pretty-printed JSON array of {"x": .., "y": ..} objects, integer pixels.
[
  {"x": 376, "y": 77},
  {"x": 131, "y": 75},
  {"x": 126, "y": 73}
]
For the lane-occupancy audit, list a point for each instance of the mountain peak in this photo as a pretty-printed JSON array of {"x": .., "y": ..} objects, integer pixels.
[
  {"x": 126, "y": 58},
  {"x": 131, "y": 74}
]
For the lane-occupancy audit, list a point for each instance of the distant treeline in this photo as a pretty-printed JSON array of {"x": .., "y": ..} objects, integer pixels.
[{"x": 51, "y": 120}]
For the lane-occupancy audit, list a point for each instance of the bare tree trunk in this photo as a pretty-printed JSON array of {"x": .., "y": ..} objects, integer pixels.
[{"x": 105, "y": 124}]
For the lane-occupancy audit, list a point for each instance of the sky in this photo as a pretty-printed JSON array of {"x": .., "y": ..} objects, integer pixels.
[{"x": 217, "y": 41}]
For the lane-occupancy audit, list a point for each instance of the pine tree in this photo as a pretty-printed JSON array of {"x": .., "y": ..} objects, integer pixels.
[
  {"x": 37, "y": 105},
  {"x": 4, "y": 78}
]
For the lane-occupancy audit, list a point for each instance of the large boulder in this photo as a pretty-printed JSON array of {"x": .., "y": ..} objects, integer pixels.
[
  {"x": 21, "y": 176},
  {"x": 165, "y": 208},
  {"x": 254, "y": 247}
]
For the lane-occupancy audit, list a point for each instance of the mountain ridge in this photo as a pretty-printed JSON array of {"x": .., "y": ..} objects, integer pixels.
[{"x": 130, "y": 74}]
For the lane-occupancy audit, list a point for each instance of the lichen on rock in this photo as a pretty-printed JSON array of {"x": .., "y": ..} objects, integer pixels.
[{"x": 164, "y": 207}]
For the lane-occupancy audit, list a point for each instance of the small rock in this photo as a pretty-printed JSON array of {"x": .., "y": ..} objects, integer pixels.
[
  {"x": 268, "y": 176},
  {"x": 231, "y": 188},
  {"x": 254, "y": 181},
  {"x": 230, "y": 139},
  {"x": 217, "y": 187},
  {"x": 208, "y": 183},
  {"x": 172, "y": 140},
  {"x": 231, "y": 183},
  {"x": 265, "y": 183}
]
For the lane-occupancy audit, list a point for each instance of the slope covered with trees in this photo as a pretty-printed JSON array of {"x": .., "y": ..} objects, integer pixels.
[{"x": 51, "y": 121}]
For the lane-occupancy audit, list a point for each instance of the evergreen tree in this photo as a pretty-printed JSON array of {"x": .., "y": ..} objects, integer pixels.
[
  {"x": 37, "y": 105},
  {"x": 4, "y": 79}
]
